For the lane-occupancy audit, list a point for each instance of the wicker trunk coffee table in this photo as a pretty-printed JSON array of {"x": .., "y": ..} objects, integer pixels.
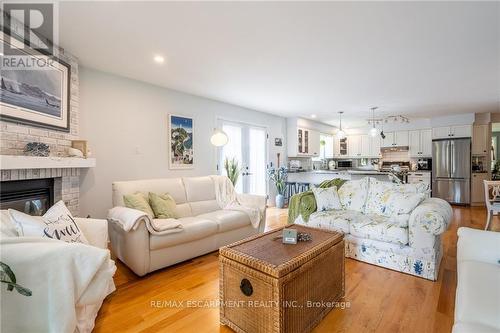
[{"x": 268, "y": 286}]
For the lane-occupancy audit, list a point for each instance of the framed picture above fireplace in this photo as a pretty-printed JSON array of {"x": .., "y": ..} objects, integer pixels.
[{"x": 34, "y": 87}]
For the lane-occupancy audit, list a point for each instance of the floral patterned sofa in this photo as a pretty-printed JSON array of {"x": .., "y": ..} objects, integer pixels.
[{"x": 396, "y": 226}]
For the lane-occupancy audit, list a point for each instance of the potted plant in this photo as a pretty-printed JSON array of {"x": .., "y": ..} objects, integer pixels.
[
  {"x": 232, "y": 170},
  {"x": 278, "y": 178}
]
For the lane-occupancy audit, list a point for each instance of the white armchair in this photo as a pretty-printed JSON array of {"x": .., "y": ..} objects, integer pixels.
[
  {"x": 477, "y": 303},
  {"x": 67, "y": 282}
]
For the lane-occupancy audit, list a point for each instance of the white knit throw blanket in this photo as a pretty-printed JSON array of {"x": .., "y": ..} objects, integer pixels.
[{"x": 228, "y": 200}]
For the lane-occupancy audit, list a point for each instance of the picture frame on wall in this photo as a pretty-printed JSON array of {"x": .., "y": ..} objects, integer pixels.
[
  {"x": 180, "y": 142},
  {"x": 37, "y": 96}
]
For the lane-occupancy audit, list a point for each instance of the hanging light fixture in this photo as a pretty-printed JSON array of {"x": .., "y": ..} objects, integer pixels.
[
  {"x": 340, "y": 133},
  {"x": 219, "y": 138},
  {"x": 373, "y": 131}
]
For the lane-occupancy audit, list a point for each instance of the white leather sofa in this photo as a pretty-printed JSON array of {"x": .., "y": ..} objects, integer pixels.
[
  {"x": 477, "y": 302},
  {"x": 206, "y": 227}
]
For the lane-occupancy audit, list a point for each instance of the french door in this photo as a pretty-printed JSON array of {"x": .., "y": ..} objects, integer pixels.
[{"x": 248, "y": 145}]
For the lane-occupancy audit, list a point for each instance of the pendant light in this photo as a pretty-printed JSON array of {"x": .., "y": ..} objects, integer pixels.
[
  {"x": 219, "y": 138},
  {"x": 340, "y": 133},
  {"x": 373, "y": 131}
]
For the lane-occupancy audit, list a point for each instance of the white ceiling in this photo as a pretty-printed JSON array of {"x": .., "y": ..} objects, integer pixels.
[{"x": 420, "y": 59}]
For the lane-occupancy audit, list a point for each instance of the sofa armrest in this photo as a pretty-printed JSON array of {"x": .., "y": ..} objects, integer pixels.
[
  {"x": 255, "y": 201},
  {"x": 427, "y": 221},
  {"x": 128, "y": 218},
  {"x": 478, "y": 245},
  {"x": 433, "y": 216},
  {"x": 95, "y": 230}
]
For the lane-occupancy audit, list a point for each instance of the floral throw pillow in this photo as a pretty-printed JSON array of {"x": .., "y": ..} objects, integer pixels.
[
  {"x": 353, "y": 194},
  {"x": 56, "y": 223},
  {"x": 327, "y": 198}
]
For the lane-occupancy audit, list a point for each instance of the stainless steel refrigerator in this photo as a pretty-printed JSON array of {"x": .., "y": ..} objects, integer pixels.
[{"x": 451, "y": 170}]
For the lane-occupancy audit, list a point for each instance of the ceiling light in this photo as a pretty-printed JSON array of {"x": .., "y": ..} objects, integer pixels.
[
  {"x": 340, "y": 133},
  {"x": 219, "y": 138},
  {"x": 159, "y": 59},
  {"x": 373, "y": 131},
  {"x": 313, "y": 116}
]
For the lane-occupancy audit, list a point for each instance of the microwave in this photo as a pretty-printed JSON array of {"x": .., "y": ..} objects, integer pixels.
[{"x": 344, "y": 164}]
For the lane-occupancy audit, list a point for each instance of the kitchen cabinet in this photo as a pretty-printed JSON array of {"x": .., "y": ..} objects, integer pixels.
[
  {"x": 419, "y": 177},
  {"x": 477, "y": 188},
  {"x": 420, "y": 143},
  {"x": 480, "y": 140},
  {"x": 303, "y": 142},
  {"x": 394, "y": 139},
  {"x": 354, "y": 145},
  {"x": 375, "y": 146},
  {"x": 459, "y": 131},
  {"x": 326, "y": 150}
]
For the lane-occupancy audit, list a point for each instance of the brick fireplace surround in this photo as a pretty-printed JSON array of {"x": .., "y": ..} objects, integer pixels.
[{"x": 15, "y": 136}]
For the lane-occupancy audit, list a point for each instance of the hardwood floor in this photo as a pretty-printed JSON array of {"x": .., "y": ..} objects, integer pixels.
[{"x": 380, "y": 300}]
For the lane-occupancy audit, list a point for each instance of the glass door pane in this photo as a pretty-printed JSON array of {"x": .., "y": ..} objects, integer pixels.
[
  {"x": 233, "y": 149},
  {"x": 256, "y": 177}
]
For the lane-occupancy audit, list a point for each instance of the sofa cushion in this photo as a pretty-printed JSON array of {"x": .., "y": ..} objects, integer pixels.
[
  {"x": 388, "y": 199},
  {"x": 336, "y": 220},
  {"x": 228, "y": 219},
  {"x": 203, "y": 207},
  {"x": 380, "y": 228},
  {"x": 478, "y": 293},
  {"x": 199, "y": 189},
  {"x": 326, "y": 198},
  {"x": 353, "y": 194},
  {"x": 194, "y": 228}
]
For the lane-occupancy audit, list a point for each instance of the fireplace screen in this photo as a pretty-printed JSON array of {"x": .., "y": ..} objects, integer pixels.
[{"x": 32, "y": 196}]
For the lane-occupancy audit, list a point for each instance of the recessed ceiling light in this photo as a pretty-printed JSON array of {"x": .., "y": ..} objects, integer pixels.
[
  {"x": 159, "y": 59},
  {"x": 313, "y": 116}
]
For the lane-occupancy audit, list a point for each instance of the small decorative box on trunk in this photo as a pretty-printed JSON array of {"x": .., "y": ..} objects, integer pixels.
[{"x": 268, "y": 286}]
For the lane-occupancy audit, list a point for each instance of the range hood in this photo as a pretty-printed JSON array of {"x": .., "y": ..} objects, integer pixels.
[{"x": 394, "y": 149}]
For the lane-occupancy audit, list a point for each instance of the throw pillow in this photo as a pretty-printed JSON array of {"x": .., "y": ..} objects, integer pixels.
[
  {"x": 353, "y": 194},
  {"x": 138, "y": 201},
  {"x": 163, "y": 205},
  {"x": 327, "y": 198},
  {"x": 56, "y": 223},
  {"x": 402, "y": 203}
]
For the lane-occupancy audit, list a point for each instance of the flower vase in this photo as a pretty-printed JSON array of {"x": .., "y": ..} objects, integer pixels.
[{"x": 280, "y": 201}]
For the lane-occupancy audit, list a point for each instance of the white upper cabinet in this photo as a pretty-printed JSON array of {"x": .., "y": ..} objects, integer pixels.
[
  {"x": 354, "y": 145},
  {"x": 303, "y": 142},
  {"x": 388, "y": 141},
  {"x": 375, "y": 146},
  {"x": 459, "y": 131},
  {"x": 420, "y": 143},
  {"x": 480, "y": 140},
  {"x": 426, "y": 142},
  {"x": 392, "y": 139},
  {"x": 366, "y": 147}
]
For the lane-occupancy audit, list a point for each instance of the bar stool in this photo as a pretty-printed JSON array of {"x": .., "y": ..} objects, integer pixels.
[
  {"x": 290, "y": 189},
  {"x": 302, "y": 187}
]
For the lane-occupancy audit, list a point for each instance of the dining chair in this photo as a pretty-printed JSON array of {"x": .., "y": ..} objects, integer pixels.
[{"x": 492, "y": 199}]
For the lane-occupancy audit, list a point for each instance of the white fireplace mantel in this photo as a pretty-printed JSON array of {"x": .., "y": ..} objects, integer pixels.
[{"x": 14, "y": 162}]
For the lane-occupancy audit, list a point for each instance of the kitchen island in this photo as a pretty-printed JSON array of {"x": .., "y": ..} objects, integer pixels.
[{"x": 315, "y": 177}]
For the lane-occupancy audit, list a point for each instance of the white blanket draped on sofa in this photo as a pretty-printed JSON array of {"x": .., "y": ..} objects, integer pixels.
[
  {"x": 228, "y": 199},
  {"x": 53, "y": 270}
]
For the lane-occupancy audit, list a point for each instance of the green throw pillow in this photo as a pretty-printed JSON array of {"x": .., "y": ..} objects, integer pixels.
[
  {"x": 138, "y": 201},
  {"x": 163, "y": 205}
]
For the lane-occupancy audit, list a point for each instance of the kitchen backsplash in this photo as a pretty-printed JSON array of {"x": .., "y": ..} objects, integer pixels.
[{"x": 402, "y": 156}]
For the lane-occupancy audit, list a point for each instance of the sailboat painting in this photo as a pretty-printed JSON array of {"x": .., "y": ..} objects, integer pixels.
[
  {"x": 38, "y": 96},
  {"x": 181, "y": 142}
]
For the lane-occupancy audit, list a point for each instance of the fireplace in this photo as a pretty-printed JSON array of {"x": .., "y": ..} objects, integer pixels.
[{"x": 31, "y": 196}]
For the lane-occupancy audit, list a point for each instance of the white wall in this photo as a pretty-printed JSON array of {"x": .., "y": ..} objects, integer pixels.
[{"x": 125, "y": 122}]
